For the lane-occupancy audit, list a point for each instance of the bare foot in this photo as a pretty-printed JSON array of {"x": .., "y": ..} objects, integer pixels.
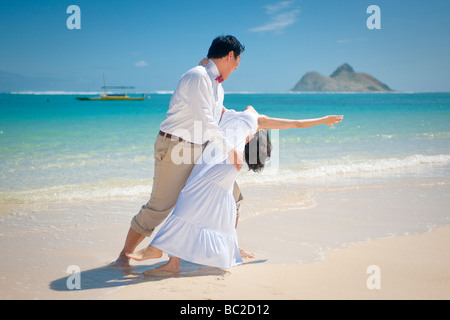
[
  {"x": 246, "y": 254},
  {"x": 171, "y": 268},
  {"x": 121, "y": 262},
  {"x": 158, "y": 273},
  {"x": 150, "y": 252}
]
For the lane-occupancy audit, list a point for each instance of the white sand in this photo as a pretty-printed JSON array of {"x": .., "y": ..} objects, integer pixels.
[
  {"x": 411, "y": 267},
  {"x": 298, "y": 242}
]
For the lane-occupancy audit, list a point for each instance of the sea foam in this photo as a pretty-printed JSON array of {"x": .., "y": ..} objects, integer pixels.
[
  {"x": 333, "y": 168},
  {"x": 303, "y": 172}
]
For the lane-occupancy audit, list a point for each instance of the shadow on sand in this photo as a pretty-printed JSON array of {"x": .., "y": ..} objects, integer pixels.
[{"x": 113, "y": 277}]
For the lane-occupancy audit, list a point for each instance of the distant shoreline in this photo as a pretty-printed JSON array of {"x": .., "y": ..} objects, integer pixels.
[{"x": 166, "y": 92}]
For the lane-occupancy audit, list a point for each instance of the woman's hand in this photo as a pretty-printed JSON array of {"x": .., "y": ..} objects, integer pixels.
[
  {"x": 204, "y": 62},
  {"x": 331, "y": 120}
]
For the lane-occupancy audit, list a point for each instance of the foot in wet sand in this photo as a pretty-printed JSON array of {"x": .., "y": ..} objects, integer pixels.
[
  {"x": 150, "y": 252},
  {"x": 171, "y": 268},
  {"x": 121, "y": 262}
]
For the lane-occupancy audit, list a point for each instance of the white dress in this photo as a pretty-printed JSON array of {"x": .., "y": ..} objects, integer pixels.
[{"x": 201, "y": 228}]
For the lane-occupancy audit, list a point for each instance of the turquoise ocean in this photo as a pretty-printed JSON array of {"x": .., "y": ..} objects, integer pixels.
[
  {"x": 56, "y": 148},
  {"x": 69, "y": 167}
]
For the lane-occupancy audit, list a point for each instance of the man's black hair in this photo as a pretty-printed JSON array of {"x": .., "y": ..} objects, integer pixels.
[{"x": 222, "y": 45}]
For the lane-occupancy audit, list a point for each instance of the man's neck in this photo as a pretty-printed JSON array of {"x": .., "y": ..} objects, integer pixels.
[{"x": 219, "y": 64}]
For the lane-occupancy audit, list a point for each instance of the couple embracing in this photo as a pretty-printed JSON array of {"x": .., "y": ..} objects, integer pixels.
[{"x": 202, "y": 194}]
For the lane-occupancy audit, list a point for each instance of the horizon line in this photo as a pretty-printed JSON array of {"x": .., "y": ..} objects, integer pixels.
[{"x": 164, "y": 92}]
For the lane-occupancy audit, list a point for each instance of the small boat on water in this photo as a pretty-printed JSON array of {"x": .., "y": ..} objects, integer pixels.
[{"x": 114, "y": 97}]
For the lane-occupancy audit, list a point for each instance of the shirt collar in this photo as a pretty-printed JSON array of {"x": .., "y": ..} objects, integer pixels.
[{"x": 212, "y": 70}]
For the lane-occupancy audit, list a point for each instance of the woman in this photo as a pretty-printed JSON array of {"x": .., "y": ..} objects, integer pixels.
[{"x": 201, "y": 228}]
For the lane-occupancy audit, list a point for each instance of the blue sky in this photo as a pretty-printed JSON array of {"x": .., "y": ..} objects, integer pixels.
[{"x": 150, "y": 44}]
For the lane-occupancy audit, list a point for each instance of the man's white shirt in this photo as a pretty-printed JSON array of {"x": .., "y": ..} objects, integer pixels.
[{"x": 196, "y": 107}]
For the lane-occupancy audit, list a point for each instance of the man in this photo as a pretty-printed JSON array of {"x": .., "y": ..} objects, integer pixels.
[{"x": 191, "y": 121}]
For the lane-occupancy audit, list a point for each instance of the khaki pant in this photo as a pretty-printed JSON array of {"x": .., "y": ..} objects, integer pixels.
[{"x": 169, "y": 178}]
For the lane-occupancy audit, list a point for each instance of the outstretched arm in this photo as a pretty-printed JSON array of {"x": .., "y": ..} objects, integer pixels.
[{"x": 265, "y": 122}]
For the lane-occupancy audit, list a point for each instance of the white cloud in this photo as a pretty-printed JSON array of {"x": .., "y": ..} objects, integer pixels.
[
  {"x": 281, "y": 15},
  {"x": 274, "y": 8},
  {"x": 141, "y": 64}
]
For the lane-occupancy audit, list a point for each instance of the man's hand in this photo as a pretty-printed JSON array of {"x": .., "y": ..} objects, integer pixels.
[{"x": 237, "y": 158}]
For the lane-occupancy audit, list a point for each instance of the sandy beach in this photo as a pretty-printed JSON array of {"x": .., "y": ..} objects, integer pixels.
[
  {"x": 295, "y": 257},
  {"x": 411, "y": 267},
  {"x": 352, "y": 203}
]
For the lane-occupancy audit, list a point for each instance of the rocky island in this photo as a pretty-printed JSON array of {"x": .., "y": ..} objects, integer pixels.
[{"x": 343, "y": 79}]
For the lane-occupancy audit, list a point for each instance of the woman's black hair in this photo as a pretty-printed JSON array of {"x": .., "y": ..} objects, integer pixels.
[
  {"x": 258, "y": 150},
  {"x": 222, "y": 45}
]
